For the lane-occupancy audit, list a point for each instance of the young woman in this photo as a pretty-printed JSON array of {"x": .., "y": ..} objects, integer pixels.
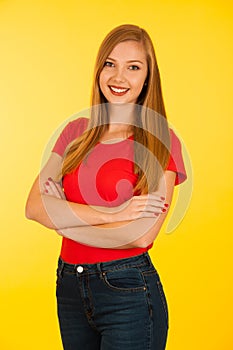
[{"x": 117, "y": 173}]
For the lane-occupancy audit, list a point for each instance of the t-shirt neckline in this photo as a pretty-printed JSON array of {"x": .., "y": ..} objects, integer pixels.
[{"x": 116, "y": 141}]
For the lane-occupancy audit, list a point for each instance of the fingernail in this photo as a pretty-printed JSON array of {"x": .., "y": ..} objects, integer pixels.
[
  {"x": 164, "y": 210},
  {"x": 166, "y": 205},
  {"x": 46, "y": 191},
  {"x": 50, "y": 179},
  {"x": 163, "y": 198},
  {"x": 47, "y": 183},
  {"x": 156, "y": 214}
]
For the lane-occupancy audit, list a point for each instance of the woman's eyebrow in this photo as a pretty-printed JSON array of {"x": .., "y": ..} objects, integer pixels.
[{"x": 129, "y": 61}]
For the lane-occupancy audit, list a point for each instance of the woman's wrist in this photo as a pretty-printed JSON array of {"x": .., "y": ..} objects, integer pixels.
[{"x": 108, "y": 216}]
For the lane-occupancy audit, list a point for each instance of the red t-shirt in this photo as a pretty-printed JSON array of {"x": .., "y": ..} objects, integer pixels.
[{"x": 105, "y": 178}]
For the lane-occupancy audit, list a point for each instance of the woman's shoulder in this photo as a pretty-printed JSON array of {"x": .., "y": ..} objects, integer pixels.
[
  {"x": 176, "y": 162},
  {"x": 75, "y": 128},
  {"x": 71, "y": 131},
  {"x": 174, "y": 139},
  {"x": 78, "y": 125}
]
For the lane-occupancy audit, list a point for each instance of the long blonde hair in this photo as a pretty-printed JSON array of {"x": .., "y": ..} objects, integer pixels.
[{"x": 151, "y": 134}]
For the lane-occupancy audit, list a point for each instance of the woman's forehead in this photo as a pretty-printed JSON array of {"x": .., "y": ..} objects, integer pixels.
[{"x": 130, "y": 50}]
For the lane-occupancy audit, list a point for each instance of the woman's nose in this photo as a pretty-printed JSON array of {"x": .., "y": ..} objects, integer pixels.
[{"x": 119, "y": 75}]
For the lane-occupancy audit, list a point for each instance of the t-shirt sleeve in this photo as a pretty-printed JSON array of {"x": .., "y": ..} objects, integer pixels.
[
  {"x": 71, "y": 131},
  {"x": 176, "y": 162}
]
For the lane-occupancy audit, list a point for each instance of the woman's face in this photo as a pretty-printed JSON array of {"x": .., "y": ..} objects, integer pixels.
[{"x": 124, "y": 73}]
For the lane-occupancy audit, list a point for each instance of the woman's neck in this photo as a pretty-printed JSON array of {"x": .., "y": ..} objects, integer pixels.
[
  {"x": 121, "y": 121},
  {"x": 121, "y": 116}
]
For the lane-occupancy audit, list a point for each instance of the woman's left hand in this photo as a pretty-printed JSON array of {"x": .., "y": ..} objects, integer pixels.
[{"x": 54, "y": 189}]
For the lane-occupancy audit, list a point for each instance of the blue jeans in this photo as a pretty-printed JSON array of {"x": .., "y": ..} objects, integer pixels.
[{"x": 116, "y": 305}]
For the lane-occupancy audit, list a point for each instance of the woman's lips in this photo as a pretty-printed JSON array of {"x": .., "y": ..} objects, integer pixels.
[{"x": 118, "y": 91}]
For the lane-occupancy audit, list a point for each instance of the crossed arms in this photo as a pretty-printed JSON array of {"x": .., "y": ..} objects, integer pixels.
[{"x": 135, "y": 223}]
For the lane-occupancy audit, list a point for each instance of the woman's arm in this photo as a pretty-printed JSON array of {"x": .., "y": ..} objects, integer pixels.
[
  {"x": 54, "y": 212},
  {"x": 126, "y": 234}
]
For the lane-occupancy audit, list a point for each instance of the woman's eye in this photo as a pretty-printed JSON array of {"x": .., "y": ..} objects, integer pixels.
[
  {"x": 108, "y": 64},
  {"x": 134, "y": 67}
]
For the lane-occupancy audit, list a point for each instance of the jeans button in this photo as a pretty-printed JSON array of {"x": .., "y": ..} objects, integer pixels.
[{"x": 79, "y": 269}]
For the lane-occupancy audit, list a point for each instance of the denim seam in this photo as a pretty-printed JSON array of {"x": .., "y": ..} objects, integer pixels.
[
  {"x": 148, "y": 296},
  {"x": 90, "y": 303},
  {"x": 160, "y": 288},
  {"x": 87, "y": 314},
  {"x": 150, "y": 312},
  {"x": 149, "y": 273},
  {"x": 125, "y": 266},
  {"x": 149, "y": 335}
]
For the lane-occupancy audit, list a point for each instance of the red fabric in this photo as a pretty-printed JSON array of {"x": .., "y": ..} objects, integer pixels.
[
  {"x": 106, "y": 178},
  {"x": 176, "y": 162}
]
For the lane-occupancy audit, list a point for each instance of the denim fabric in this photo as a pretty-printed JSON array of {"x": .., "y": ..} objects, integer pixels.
[{"x": 116, "y": 305}]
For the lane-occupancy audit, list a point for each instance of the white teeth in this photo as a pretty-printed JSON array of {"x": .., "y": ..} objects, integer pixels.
[{"x": 117, "y": 90}]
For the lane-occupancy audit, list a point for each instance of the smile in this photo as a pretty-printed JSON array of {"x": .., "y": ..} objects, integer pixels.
[{"x": 118, "y": 91}]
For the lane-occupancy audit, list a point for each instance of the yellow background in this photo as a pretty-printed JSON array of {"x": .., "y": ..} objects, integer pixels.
[{"x": 48, "y": 49}]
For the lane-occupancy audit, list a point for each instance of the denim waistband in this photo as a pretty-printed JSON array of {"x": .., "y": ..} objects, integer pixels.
[{"x": 135, "y": 261}]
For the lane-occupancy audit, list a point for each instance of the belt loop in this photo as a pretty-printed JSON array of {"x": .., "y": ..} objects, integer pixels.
[
  {"x": 147, "y": 256},
  {"x": 99, "y": 267},
  {"x": 61, "y": 267}
]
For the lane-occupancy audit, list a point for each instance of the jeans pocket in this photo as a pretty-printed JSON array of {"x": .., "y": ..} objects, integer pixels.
[{"x": 126, "y": 280}]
